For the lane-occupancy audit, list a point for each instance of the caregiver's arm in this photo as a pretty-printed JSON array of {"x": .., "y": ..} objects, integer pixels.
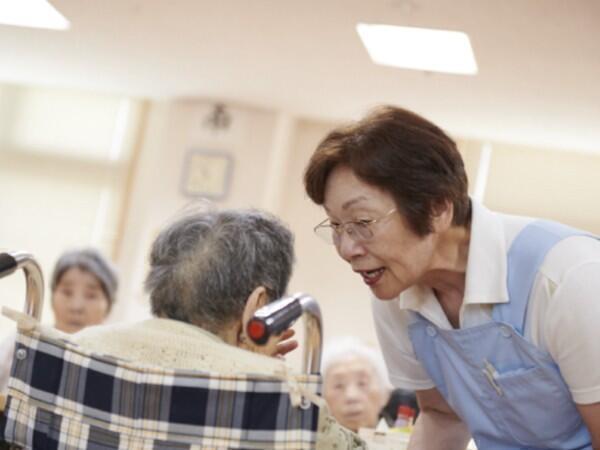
[
  {"x": 591, "y": 418},
  {"x": 437, "y": 427}
]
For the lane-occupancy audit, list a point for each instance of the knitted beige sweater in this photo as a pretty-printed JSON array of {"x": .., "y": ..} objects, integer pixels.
[{"x": 175, "y": 345}]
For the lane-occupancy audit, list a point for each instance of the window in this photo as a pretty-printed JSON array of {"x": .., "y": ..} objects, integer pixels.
[{"x": 64, "y": 160}]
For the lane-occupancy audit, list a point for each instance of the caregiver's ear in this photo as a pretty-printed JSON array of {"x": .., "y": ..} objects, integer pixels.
[{"x": 442, "y": 216}]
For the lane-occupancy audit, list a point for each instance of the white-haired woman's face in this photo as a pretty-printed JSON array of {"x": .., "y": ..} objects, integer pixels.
[{"x": 354, "y": 392}]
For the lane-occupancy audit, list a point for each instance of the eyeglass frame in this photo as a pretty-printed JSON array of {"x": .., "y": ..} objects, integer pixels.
[{"x": 336, "y": 235}]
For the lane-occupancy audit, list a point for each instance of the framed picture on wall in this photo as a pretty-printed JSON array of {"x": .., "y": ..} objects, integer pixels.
[{"x": 207, "y": 173}]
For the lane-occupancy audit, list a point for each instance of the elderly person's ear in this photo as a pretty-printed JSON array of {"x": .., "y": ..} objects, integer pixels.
[
  {"x": 256, "y": 300},
  {"x": 276, "y": 345}
]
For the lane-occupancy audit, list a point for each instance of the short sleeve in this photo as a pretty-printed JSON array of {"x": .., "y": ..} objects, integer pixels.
[
  {"x": 572, "y": 331},
  {"x": 391, "y": 325}
]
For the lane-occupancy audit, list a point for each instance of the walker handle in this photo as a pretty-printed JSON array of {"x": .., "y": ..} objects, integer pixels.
[
  {"x": 274, "y": 318},
  {"x": 8, "y": 264},
  {"x": 34, "y": 299}
]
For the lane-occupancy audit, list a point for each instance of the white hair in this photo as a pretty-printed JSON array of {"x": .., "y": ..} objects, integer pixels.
[{"x": 340, "y": 349}]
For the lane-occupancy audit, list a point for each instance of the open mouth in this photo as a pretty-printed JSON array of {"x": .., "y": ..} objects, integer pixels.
[{"x": 370, "y": 277}]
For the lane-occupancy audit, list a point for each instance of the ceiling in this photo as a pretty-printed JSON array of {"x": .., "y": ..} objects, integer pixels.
[{"x": 539, "y": 60}]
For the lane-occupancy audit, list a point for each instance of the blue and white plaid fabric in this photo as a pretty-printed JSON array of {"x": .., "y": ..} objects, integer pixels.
[{"x": 62, "y": 397}]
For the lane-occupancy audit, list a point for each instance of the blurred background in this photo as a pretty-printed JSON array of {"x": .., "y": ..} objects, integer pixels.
[{"x": 138, "y": 107}]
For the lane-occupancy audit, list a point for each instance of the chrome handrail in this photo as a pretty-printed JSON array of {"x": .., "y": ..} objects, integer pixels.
[
  {"x": 34, "y": 296},
  {"x": 313, "y": 334},
  {"x": 277, "y": 316}
]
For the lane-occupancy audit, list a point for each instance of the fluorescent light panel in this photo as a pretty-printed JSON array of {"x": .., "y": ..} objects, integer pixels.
[
  {"x": 418, "y": 48},
  {"x": 33, "y": 14}
]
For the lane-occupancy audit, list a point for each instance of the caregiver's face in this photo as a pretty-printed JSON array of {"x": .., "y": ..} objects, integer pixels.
[{"x": 394, "y": 258}]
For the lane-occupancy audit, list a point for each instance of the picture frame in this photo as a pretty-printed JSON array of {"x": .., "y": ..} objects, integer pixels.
[{"x": 207, "y": 173}]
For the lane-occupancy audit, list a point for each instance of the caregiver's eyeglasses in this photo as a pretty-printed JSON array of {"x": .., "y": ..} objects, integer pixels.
[{"x": 358, "y": 230}]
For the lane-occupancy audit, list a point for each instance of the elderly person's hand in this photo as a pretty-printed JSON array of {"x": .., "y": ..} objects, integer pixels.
[{"x": 277, "y": 346}]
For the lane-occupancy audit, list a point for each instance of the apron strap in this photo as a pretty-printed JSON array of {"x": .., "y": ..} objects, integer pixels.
[{"x": 525, "y": 256}]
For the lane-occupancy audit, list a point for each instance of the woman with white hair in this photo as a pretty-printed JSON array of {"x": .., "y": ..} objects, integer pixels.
[{"x": 356, "y": 386}]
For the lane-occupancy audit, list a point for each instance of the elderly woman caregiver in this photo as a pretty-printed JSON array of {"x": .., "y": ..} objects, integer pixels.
[
  {"x": 491, "y": 318},
  {"x": 83, "y": 287},
  {"x": 209, "y": 272}
]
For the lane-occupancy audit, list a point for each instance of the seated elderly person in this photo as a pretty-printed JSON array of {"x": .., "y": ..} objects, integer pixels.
[
  {"x": 209, "y": 272},
  {"x": 83, "y": 289},
  {"x": 355, "y": 386}
]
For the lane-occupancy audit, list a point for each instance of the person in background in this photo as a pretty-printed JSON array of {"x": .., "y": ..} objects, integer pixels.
[
  {"x": 83, "y": 290},
  {"x": 491, "y": 318},
  {"x": 355, "y": 383}
]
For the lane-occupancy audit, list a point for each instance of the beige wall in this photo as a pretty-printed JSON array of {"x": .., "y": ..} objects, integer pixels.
[
  {"x": 344, "y": 298},
  {"x": 563, "y": 186}
]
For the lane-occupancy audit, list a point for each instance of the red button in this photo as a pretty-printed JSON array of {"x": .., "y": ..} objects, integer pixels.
[{"x": 256, "y": 329}]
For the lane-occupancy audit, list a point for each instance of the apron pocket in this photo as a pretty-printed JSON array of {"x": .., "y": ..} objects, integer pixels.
[{"x": 536, "y": 406}]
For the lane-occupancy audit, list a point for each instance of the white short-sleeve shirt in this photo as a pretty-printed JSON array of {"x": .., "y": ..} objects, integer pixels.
[
  {"x": 7, "y": 348},
  {"x": 563, "y": 315}
]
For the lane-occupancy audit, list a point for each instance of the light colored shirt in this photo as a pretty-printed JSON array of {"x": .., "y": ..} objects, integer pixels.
[
  {"x": 562, "y": 316},
  {"x": 7, "y": 348}
]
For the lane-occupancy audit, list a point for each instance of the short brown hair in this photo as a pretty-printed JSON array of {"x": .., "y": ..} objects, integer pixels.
[{"x": 403, "y": 154}]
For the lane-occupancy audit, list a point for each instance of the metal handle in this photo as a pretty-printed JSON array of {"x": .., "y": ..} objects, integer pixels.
[
  {"x": 34, "y": 298},
  {"x": 279, "y": 315}
]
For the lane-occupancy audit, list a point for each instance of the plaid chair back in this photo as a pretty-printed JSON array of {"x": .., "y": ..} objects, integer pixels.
[{"x": 61, "y": 396}]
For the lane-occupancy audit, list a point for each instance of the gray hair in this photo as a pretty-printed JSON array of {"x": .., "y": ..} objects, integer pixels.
[
  {"x": 343, "y": 348},
  {"x": 92, "y": 261},
  {"x": 204, "y": 265}
]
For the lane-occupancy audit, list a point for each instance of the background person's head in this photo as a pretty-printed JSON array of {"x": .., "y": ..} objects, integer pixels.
[
  {"x": 83, "y": 287},
  {"x": 402, "y": 154},
  {"x": 213, "y": 269},
  {"x": 355, "y": 382}
]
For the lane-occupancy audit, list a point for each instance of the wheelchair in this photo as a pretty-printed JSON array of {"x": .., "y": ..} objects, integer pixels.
[{"x": 62, "y": 396}]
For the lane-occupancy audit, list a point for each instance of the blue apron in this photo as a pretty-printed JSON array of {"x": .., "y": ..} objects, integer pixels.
[{"x": 508, "y": 392}]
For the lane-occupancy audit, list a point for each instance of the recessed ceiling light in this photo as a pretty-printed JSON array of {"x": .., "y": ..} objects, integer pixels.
[
  {"x": 32, "y": 13},
  {"x": 418, "y": 48}
]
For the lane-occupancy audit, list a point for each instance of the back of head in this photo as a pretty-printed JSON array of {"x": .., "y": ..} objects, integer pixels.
[
  {"x": 92, "y": 261},
  {"x": 205, "y": 264},
  {"x": 402, "y": 153}
]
